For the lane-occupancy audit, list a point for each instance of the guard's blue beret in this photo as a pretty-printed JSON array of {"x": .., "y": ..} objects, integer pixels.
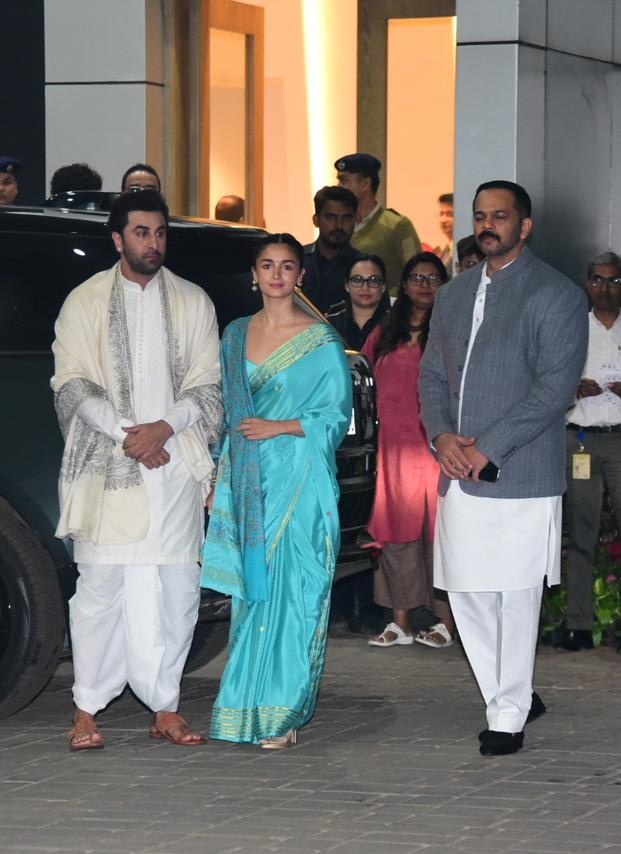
[
  {"x": 362, "y": 164},
  {"x": 10, "y": 164}
]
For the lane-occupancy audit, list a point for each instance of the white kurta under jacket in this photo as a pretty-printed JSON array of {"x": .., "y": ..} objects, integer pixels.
[{"x": 494, "y": 544}]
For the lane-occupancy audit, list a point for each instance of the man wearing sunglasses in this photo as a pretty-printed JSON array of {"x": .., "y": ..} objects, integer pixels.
[{"x": 593, "y": 446}]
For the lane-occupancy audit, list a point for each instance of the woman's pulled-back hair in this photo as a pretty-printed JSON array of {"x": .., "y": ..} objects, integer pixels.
[{"x": 280, "y": 239}]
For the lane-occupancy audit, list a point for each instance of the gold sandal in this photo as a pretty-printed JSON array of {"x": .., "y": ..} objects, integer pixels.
[{"x": 280, "y": 742}]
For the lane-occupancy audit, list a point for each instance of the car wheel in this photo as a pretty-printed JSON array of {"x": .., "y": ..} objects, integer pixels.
[
  {"x": 32, "y": 621},
  {"x": 210, "y": 638}
]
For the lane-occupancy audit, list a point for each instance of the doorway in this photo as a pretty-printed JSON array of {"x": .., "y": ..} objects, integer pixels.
[{"x": 406, "y": 103}]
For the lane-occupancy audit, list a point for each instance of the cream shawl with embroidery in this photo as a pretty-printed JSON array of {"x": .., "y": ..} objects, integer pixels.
[{"x": 103, "y": 497}]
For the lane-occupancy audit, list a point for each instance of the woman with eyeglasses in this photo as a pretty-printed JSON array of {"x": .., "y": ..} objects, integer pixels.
[
  {"x": 404, "y": 511},
  {"x": 366, "y": 303}
]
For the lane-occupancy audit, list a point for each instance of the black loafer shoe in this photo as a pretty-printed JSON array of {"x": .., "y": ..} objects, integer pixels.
[
  {"x": 537, "y": 709},
  {"x": 573, "y": 640},
  {"x": 496, "y": 743}
]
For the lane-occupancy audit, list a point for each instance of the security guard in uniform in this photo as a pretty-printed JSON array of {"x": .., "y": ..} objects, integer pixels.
[
  {"x": 378, "y": 231},
  {"x": 9, "y": 167}
]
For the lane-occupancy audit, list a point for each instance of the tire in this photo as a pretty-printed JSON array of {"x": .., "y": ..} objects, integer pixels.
[
  {"x": 32, "y": 620},
  {"x": 210, "y": 638}
]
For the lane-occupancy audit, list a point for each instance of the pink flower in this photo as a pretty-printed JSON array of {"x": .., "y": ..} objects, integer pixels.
[
  {"x": 610, "y": 579},
  {"x": 614, "y": 549}
]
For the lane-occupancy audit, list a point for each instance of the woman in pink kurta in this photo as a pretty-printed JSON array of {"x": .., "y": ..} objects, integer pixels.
[{"x": 404, "y": 511}]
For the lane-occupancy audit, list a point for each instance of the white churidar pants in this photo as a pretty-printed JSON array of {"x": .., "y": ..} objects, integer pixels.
[
  {"x": 498, "y": 632},
  {"x": 132, "y": 624}
]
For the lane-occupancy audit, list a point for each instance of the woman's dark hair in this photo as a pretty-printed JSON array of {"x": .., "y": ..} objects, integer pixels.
[
  {"x": 285, "y": 239},
  {"x": 140, "y": 167},
  {"x": 374, "y": 259},
  {"x": 146, "y": 200},
  {"x": 395, "y": 329}
]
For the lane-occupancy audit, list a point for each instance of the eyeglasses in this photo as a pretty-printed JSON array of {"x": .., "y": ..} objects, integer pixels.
[
  {"x": 373, "y": 282},
  {"x": 600, "y": 281},
  {"x": 434, "y": 279}
]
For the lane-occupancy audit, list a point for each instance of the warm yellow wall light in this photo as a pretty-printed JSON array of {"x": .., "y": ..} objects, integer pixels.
[{"x": 315, "y": 63}]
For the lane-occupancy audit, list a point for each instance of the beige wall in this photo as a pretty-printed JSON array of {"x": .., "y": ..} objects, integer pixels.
[
  {"x": 310, "y": 110},
  {"x": 421, "y": 120},
  {"x": 227, "y": 76},
  {"x": 292, "y": 175}
]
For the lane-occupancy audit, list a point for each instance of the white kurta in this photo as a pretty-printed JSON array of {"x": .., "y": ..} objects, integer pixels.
[
  {"x": 175, "y": 506},
  {"x": 494, "y": 544}
]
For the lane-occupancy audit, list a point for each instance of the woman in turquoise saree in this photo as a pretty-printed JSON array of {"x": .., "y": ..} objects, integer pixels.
[{"x": 273, "y": 534}]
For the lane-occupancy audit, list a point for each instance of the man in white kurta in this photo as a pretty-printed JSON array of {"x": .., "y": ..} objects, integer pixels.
[
  {"x": 506, "y": 346},
  {"x": 137, "y": 392}
]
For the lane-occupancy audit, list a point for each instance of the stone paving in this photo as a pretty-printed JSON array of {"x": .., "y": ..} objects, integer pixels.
[{"x": 389, "y": 765}]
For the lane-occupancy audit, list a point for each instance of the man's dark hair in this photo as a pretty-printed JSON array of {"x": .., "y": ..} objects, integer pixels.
[
  {"x": 374, "y": 259},
  {"x": 606, "y": 258},
  {"x": 468, "y": 246},
  {"x": 75, "y": 176},
  {"x": 522, "y": 199},
  {"x": 279, "y": 240},
  {"x": 122, "y": 206},
  {"x": 334, "y": 194},
  {"x": 445, "y": 199},
  {"x": 140, "y": 167},
  {"x": 395, "y": 328}
]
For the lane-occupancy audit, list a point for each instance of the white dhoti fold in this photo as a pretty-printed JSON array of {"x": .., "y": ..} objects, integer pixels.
[
  {"x": 491, "y": 555},
  {"x": 132, "y": 625}
]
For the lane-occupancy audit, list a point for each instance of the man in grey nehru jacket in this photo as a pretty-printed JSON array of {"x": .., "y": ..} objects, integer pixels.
[{"x": 504, "y": 357}]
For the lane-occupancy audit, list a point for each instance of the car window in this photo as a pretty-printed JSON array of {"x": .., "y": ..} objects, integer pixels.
[{"x": 37, "y": 271}]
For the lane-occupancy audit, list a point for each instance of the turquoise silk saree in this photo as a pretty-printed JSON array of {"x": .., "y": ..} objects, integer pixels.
[{"x": 279, "y": 576}]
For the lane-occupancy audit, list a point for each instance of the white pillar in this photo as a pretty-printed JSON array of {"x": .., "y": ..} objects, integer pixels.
[
  {"x": 539, "y": 102},
  {"x": 104, "y": 85}
]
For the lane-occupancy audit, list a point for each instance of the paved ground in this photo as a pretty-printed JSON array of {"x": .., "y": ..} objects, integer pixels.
[{"x": 388, "y": 766}]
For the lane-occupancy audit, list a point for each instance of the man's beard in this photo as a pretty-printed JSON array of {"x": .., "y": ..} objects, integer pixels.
[
  {"x": 499, "y": 247},
  {"x": 336, "y": 239},
  {"x": 142, "y": 265}
]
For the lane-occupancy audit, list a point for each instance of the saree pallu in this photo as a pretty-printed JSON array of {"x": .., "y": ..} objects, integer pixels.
[{"x": 277, "y": 644}]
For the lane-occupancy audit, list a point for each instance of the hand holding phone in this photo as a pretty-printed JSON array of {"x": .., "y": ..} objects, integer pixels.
[{"x": 489, "y": 473}]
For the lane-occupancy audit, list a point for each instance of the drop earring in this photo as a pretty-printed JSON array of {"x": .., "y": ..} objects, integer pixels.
[{"x": 255, "y": 285}]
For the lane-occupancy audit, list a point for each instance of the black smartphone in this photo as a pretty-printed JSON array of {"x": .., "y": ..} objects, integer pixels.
[{"x": 489, "y": 473}]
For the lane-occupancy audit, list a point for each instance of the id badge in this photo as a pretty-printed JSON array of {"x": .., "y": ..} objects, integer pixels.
[{"x": 581, "y": 466}]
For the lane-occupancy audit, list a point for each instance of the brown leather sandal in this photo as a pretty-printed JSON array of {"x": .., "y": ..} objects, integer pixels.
[
  {"x": 76, "y": 738},
  {"x": 165, "y": 729}
]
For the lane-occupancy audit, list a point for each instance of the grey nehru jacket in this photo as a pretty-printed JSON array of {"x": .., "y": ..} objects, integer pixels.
[{"x": 524, "y": 369}]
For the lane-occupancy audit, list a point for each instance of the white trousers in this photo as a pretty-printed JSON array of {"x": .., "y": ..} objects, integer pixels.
[
  {"x": 499, "y": 634},
  {"x": 132, "y": 625}
]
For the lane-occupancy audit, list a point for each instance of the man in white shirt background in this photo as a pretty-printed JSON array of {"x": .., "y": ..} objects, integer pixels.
[
  {"x": 137, "y": 393},
  {"x": 593, "y": 446}
]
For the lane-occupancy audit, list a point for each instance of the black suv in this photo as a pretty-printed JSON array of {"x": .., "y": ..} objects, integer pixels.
[{"x": 44, "y": 253}]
